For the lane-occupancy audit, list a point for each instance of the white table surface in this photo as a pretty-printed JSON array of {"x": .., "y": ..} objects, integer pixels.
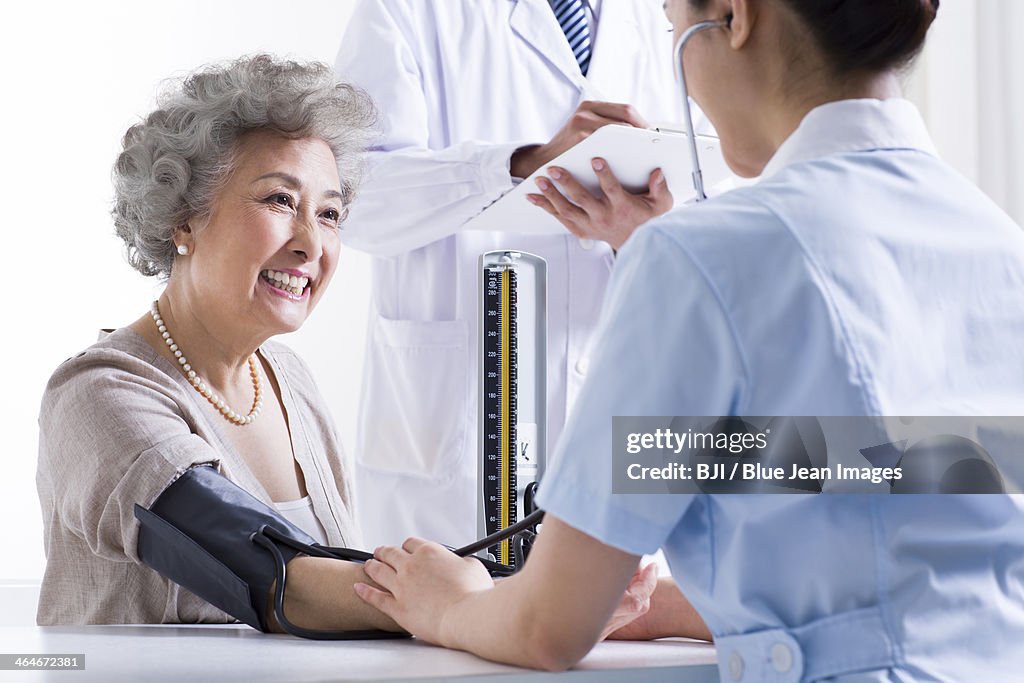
[{"x": 238, "y": 653}]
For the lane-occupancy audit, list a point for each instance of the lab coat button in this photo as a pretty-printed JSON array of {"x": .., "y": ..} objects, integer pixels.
[
  {"x": 736, "y": 666},
  {"x": 587, "y": 244},
  {"x": 582, "y": 365},
  {"x": 782, "y": 657}
]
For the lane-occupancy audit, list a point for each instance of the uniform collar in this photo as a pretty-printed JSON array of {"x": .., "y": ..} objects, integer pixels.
[
  {"x": 853, "y": 126},
  {"x": 615, "y": 37}
]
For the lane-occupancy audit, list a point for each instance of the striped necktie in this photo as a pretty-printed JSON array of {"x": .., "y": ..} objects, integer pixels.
[{"x": 572, "y": 17}]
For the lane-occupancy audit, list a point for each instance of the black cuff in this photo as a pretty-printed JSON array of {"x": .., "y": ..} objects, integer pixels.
[{"x": 199, "y": 533}]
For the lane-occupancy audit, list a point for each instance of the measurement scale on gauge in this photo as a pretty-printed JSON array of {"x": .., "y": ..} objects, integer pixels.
[{"x": 513, "y": 390}]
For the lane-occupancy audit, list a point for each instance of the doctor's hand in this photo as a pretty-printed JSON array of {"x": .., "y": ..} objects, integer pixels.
[
  {"x": 613, "y": 215},
  {"x": 634, "y": 603},
  {"x": 587, "y": 118},
  {"x": 422, "y": 581}
]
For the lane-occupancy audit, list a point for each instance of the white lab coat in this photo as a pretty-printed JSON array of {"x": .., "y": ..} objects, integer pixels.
[{"x": 460, "y": 84}]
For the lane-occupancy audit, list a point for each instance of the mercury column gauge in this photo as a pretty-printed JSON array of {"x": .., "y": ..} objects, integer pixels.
[{"x": 513, "y": 390}]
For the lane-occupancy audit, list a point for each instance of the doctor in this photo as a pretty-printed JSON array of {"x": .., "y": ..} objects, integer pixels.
[
  {"x": 474, "y": 94},
  {"x": 860, "y": 276}
]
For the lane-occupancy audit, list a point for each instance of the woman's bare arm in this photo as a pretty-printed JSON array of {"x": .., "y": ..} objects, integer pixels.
[{"x": 319, "y": 595}]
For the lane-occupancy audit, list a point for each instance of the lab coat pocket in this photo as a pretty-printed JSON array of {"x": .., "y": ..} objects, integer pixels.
[{"x": 413, "y": 416}]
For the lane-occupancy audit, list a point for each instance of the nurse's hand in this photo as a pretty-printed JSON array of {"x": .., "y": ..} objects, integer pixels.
[
  {"x": 634, "y": 603},
  {"x": 587, "y": 118},
  {"x": 669, "y": 615},
  {"x": 422, "y": 582},
  {"x": 612, "y": 215}
]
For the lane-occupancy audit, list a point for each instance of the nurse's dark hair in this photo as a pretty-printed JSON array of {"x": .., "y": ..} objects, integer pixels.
[{"x": 863, "y": 36}]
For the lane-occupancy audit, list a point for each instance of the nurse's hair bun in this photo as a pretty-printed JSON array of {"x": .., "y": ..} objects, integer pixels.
[{"x": 867, "y": 35}]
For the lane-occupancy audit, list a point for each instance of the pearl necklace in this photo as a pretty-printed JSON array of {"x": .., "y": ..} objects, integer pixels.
[{"x": 197, "y": 382}]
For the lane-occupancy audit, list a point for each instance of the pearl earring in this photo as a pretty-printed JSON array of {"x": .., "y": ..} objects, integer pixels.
[{"x": 183, "y": 250}]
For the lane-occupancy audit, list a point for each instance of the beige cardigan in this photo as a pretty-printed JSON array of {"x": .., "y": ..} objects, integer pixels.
[{"x": 119, "y": 423}]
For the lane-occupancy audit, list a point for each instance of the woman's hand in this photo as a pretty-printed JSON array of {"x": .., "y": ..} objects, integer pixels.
[
  {"x": 634, "y": 604},
  {"x": 422, "y": 582},
  {"x": 612, "y": 216}
]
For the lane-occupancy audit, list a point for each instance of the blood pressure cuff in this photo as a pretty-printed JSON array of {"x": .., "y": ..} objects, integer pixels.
[
  {"x": 214, "y": 538},
  {"x": 200, "y": 534}
]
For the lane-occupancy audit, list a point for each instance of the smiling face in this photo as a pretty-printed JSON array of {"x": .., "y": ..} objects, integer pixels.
[{"x": 259, "y": 263}]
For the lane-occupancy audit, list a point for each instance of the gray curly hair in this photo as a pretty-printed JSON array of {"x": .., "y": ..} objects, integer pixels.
[{"x": 173, "y": 162}]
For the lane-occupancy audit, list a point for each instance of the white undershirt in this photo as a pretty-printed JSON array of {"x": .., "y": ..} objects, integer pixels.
[{"x": 300, "y": 513}]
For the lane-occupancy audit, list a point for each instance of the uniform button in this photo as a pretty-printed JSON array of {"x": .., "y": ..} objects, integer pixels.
[
  {"x": 736, "y": 666},
  {"x": 782, "y": 657},
  {"x": 587, "y": 244},
  {"x": 582, "y": 365}
]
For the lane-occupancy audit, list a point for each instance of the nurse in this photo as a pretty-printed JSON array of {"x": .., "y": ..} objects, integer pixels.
[
  {"x": 473, "y": 96},
  {"x": 859, "y": 276}
]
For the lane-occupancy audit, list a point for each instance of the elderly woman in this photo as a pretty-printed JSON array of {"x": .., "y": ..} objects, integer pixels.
[{"x": 234, "y": 190}]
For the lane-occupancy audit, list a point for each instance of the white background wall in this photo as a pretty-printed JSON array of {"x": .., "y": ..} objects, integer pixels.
[
  {"x": 76, "y": 75},
  {"x": 969, "y": 84}
]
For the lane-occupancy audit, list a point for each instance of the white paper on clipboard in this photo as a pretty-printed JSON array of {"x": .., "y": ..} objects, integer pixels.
[{"x": 631, "y": 153}]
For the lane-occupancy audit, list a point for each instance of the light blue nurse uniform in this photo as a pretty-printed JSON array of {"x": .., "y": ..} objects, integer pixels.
[{"x": 860, "y": 276}]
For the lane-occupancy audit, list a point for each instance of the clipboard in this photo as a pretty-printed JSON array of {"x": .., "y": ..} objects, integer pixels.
[{"x": 631, "y": 153}]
